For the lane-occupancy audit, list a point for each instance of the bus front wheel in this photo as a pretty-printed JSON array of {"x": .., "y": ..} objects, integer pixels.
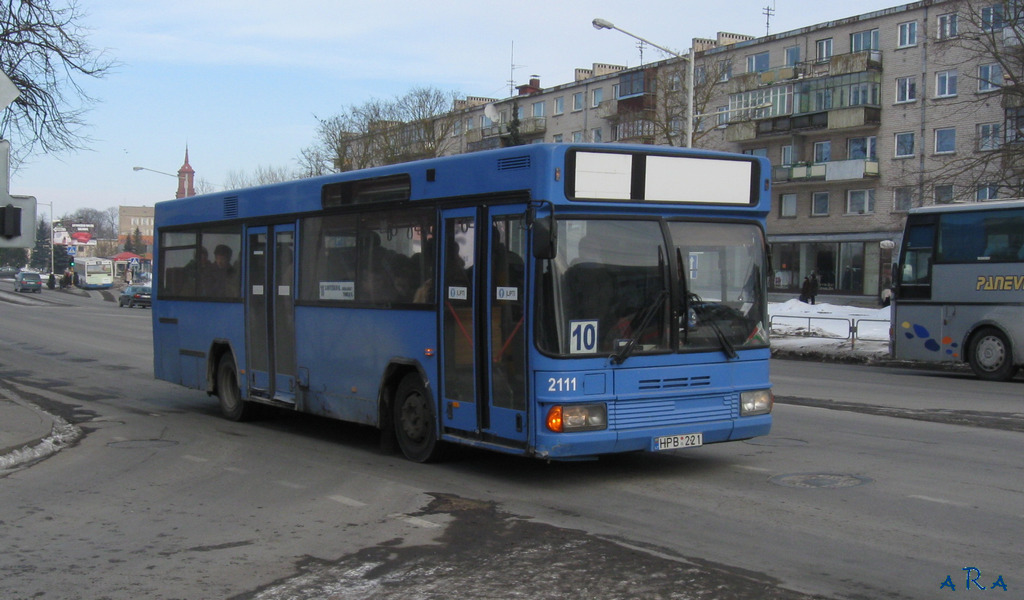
[
  {"x": 232, "y": 406},
  {"x": 415, "y": 425},
  {"x": 991, "y": 355}
]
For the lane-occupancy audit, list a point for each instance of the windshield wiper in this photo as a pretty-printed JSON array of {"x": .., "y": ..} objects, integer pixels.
[
  {"x": 649, "y": 313},
  {"x": 698, "y": 307}
]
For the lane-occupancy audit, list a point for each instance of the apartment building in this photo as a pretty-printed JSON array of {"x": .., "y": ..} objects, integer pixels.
[{"x": 862, "y": 119}]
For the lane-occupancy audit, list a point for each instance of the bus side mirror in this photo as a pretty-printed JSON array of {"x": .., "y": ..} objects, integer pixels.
[{"x": 545, "y": 235}]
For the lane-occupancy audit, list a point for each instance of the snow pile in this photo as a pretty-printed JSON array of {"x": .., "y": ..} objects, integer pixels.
[{"x": 824, "y": 330}]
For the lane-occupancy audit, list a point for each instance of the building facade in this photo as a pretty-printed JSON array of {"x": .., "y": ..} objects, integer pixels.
[
  {"x": 862, "y": 119},
  {"x": 130, "y": 218}
]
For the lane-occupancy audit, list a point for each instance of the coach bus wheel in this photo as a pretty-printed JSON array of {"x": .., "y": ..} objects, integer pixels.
[
  {"x": 991, "y": 356},
  {"x": 415, "y": 426},
  {"x": 232, "y": 406}
]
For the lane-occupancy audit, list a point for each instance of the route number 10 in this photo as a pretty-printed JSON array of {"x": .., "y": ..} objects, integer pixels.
[{"x": 582, "y": 337}]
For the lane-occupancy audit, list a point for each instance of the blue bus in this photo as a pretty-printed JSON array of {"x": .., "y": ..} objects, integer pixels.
[{"x": 558, "y": 301}]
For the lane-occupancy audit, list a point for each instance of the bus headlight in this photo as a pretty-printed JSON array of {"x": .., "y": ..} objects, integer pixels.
[
  {"x": 756, "y": 402},
  {"x": 577, "y": 417}
]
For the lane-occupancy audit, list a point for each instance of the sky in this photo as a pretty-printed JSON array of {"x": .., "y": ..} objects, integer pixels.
[{"x": 241, "y": 83}]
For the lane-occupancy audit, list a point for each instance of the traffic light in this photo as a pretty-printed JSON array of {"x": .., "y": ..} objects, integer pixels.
[{"x": 71, "y": 262}]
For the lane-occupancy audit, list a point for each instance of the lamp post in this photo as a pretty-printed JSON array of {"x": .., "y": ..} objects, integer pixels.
[{"x": 603, "y": 24}]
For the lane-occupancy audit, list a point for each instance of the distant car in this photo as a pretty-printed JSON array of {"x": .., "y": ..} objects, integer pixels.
[
  {"x": 135, "y": 295},
  {"x": 8, "y": 271},
  {"x": 27, "y": 281}
]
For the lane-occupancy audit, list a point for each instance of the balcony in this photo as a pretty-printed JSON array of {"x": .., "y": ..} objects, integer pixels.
[
  {"x": 838, "y": 170},
  {"x": 854, "y": 116},
  {"x": 527, "y": 126}
]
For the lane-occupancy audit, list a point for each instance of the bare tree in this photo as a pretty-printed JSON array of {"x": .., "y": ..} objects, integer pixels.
[
  {"x": 261, "y": 176},
  {"x": 661, "y": 117},
  {"x": 43, "y": 50},
  {"x": 988, "y": 36},
  {"x": 380, "y": 132},
  {"x": 104, "y": 227}
]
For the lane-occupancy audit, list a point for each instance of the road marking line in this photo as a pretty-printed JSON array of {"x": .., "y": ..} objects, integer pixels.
[
  {"x": 939, "y": 500},
  {"x": 418, "y": 522},
  {"x": 236, "y": 470},
  {"x": 347, "y": 501},
  {"x": 748, "y": 468},
  {"x": 198, "y": 459},
  {"x": 288, "y": 484}
]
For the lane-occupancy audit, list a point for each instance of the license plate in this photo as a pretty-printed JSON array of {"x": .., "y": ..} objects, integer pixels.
[{"x": 675, "y": 442}]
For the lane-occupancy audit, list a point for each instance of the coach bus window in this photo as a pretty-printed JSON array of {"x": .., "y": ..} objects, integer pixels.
[
  {"x": 218, "y": 276},
  {"x": 177, "y": 251},
  {"x": 606, "y": 281},
  {"x": 721, "y": 280},
  {"x": 376, "y": 259}
]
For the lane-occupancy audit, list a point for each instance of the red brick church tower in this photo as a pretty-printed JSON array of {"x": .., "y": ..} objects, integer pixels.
[{"x": 186, "y": 179}]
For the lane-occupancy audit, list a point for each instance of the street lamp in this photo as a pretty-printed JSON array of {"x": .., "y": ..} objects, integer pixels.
[
  {"x": 603, "y": 24},
  {"x": 154, "y": 171}
]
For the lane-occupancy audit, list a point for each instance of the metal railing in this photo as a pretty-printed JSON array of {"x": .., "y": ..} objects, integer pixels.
[{"x": 852, "y": 331}]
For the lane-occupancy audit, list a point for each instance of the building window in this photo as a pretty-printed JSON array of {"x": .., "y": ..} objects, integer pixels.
[
  {"x": 864, "y": 40},
  {"x": 787, "y": 206},
  {"x": 904, "y": 144},
  {"x": 903, "y": 199},
  {"x": 724, "y": 70},
  {"x": 470, "y": 123},
  {"x": 596, "y": 97},
  {"x": 945, "y": 84},
  {"x": 945, "y": 140},
  {"x": 596, "y": 136},
  {"x": 1014, "y": 125},
  {"x": 819, "y": 204},
  {"x": 723, "y": 115},
  {"x": 992, "y": 17},
  {"x": 577, "y": 101},
  {"x": 862, "y": 147},
  {"x": 989, "y": 136},
  {"x": 987, "y": 192},
  {"x": 908, "y": 34},
  {"x": 577, "y": 137},
  {"x": 630, "y": 84},
  {"x": 906, "y": 89},
  {"x": 538, "y": 109},
  {"x": 757, "y": 63},
  {"x": 559, "y": 105},
  {"x": 823, "y": 49},
  {"x": 989, "y": 77},
  {"x": 822, "y": 152},
  {"x": 557, "y": 138},
  {"x": 792, "y": 55},
  {"x": 947, "y": 26},
  {"x": 860, "y": 202},
  {"x": 943, "y": 194},
  {"x": 787, "y": 155}
]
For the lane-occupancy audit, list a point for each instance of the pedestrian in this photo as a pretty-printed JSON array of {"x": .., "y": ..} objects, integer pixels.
[
  {"x": 805, "y": 289},
  {"x": 814, "y": 287}
]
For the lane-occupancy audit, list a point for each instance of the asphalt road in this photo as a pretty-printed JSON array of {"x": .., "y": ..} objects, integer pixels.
[{"x": 161, "y": 498}]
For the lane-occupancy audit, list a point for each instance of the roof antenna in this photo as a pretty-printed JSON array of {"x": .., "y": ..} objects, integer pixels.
[
  {"x": 512, "y": 66},
  {"x": 768, "y": 12}
]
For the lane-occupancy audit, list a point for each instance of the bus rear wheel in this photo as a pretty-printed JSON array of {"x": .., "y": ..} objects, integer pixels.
[
  {"x": 415, "y": 425},
  {"x": 991, "y": 355},
  {"x": 232, "y": 406}
]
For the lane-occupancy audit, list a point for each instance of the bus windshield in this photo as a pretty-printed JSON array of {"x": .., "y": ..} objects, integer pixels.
[{"x": 607, "y": 288}]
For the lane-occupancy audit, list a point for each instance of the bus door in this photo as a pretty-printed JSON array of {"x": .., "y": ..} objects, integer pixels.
[
  {"x": 482, "y": 324},
  {"x": 270, "y": 312}
]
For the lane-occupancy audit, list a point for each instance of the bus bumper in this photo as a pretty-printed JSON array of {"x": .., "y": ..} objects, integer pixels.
[{"x": 594, "y": 443}]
